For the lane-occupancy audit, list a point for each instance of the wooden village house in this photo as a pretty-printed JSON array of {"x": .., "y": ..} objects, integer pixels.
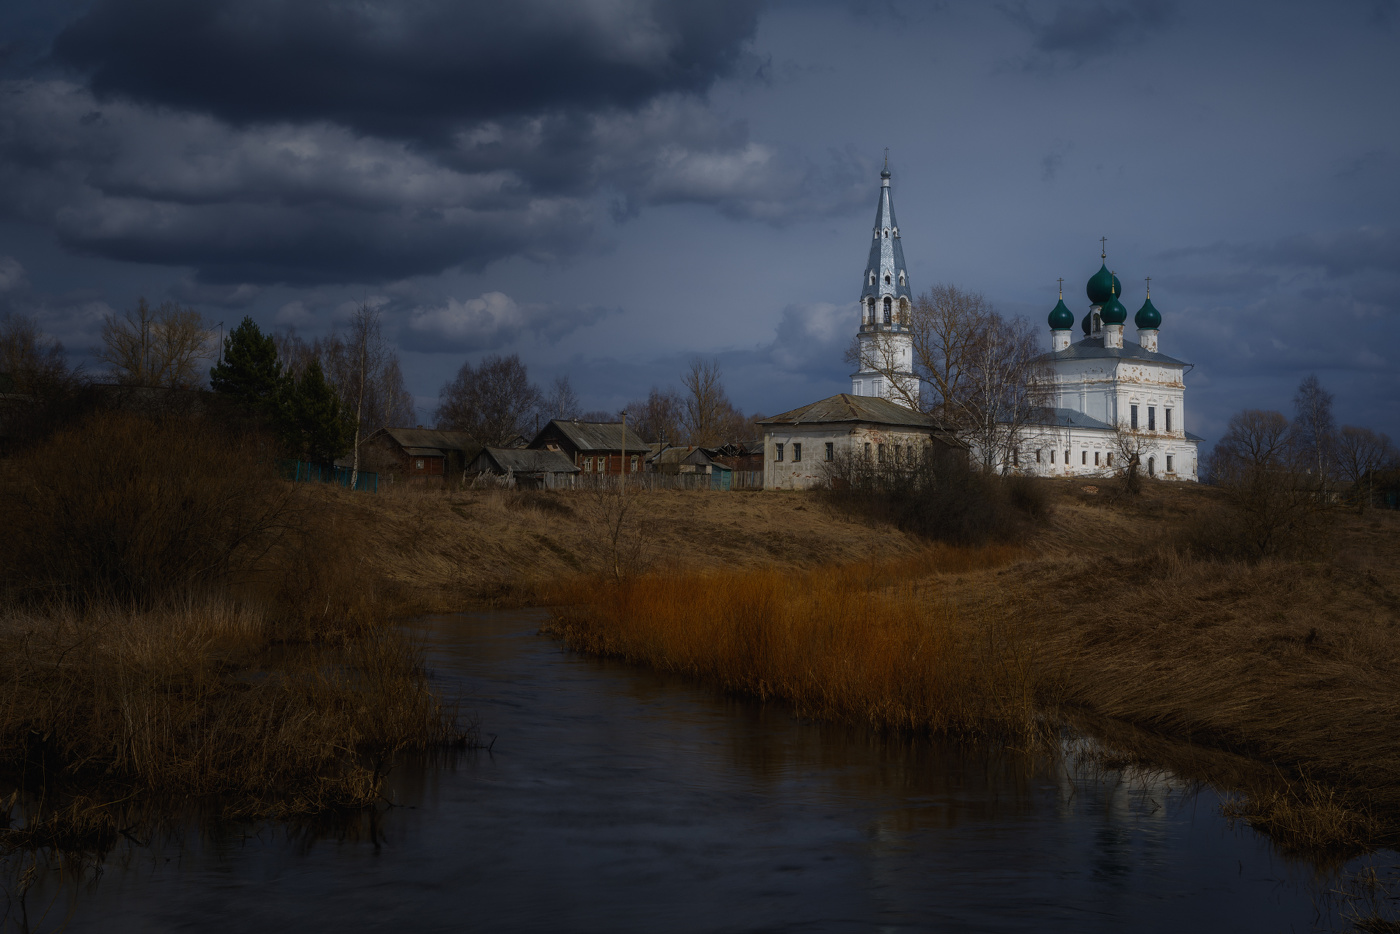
[
  {"x": 595, "y": 448},
  {"x": 419, "y": 455},
  {"x": 522, "y": 468}
]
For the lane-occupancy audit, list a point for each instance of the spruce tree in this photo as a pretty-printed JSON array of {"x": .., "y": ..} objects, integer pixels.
[
  {"x": 316, "y": 426},
  {"x": 250, "y": 372}
]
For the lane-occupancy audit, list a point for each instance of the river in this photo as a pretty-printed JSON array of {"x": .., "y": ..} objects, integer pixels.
[{"x": 616, "y": 799}]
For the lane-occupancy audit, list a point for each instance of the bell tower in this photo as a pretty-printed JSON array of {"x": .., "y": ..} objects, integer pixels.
[{"x": 886, "y": 342}]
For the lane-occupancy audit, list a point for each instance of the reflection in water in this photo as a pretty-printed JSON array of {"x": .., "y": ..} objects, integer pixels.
[{"x": 623, "y": 800}]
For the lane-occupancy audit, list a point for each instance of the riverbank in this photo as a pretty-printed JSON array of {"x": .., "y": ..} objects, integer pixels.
[
  {"x": 179, "y": 624},
  {"x": 1285, "y": 668}
]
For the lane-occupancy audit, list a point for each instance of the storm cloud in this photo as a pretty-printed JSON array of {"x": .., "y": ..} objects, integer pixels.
[{"x": 282, "y": 142}]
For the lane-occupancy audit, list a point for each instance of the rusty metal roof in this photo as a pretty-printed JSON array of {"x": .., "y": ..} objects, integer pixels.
[
  {"x": 844, "y": 407},
  {"x": 595, "y": 436}
]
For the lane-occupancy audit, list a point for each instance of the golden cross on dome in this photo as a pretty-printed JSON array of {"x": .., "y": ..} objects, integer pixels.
[
  {"x": 1103, "y": 246},
  {"x": 1062, "y": 286},
  {"x": 1149, "y": 286}
]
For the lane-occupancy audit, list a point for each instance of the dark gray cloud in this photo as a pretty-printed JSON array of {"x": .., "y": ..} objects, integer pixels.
[
  {"x": 1075, "y": 32},
  {"x": 414, "y": 69},
  {"x": 314, "y": 143},
  {"x": 488, "y": 322}
]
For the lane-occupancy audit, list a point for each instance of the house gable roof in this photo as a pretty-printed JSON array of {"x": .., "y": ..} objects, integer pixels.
[
  {"x": 441, "y": 441},
  {"x": 844, "y": 407},
  {"x": 593, "y": 436},
  {"x": 527, "y": 460}
]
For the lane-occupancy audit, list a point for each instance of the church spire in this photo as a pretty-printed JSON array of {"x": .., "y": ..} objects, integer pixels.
[{"x": 885, "y": 303}]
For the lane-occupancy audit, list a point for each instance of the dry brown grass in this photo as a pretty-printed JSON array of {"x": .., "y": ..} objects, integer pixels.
[
  {"x": 202, "y": 698},
  {"x": 177, "y": 622},
  {"x": 856, "y": 643},
  {"x": 1293, "y": 665}
]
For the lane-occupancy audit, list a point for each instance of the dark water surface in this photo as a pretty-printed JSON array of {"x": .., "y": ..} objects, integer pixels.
[{"x": 622, "y": 800}]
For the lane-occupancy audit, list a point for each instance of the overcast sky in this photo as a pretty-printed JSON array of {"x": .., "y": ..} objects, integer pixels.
[{"x": 610, "y": 188}]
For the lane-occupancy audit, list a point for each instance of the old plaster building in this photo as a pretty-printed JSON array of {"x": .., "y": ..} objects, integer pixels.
[
  {"x": 801, "y": 447},
  {"x": 1110, "y": 398}
]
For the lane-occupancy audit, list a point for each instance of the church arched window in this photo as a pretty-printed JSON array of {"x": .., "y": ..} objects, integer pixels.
[
  {"x": 870, "y": 309},
  {"x": 872, "y": 277},
  {"x": 889, "y": 305},
  {"x": 904, "y": 311},
  {"x": 901, "y": 277},
  {"x": 887, "y": 278}
]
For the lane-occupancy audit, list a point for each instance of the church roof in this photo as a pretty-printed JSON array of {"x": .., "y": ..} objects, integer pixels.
[
  {"x": 1069, "y": 418},
  {"x": 1092, "y": 348},
  {"x": 844, "y": 407},
  {"x": 886, "y": 252}
]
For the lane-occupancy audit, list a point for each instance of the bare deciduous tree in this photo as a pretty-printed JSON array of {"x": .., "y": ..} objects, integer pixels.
[
  {"x": 35, "y": 363},
  {"x": 1314, "y": 431},
  {"x": 161, "y": 346},
  {"x": 707, "y": 415},
  {"x": 1254, "y": 440},
  {"x": 1130, "y": 446},
  {"x": 492, "y": 402},
  {"x": 562, "y": 401},
  {"x": 980, "y": 372},
  {"x": 658, "y": 417},
  {"x": 1361, "y": 454},
  {"x": 1256, "y": 463}
]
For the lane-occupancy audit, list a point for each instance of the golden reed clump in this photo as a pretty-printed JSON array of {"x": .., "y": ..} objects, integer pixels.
[{"x": 857, "y": 643}]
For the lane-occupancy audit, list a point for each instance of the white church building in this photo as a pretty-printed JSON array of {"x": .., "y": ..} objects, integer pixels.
[
  {"x": 1104, "y": 395},
  {"x": 1108, "y": 396}
]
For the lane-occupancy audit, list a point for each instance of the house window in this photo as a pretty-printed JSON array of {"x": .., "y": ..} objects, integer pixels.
[
  {"x": 1084, "y": 457},
  {"x": 1168, "y": 414},
  {"x": 867, "y": 450},
  {"x": 1052, "y": 457},
  {"x": 1015, "y": 458},
  {"x": 777, "y": 452},
  {"x": 1037, "y": 455},
  {"x": 1110, "y": 458},
  {"x": 1151, "y": 418},
  {"x": 858, "y": 386},
  {"x": 880, "y": 453},
  {"x": 830, "y": 451},
  {"x": 1152, "y": 466},
  {"x": 898, "y": 453},
  {"x": 1096, "y": 458},
  {"x": 588, "y": 464},
  {"x": 1169, "y": 461},
  {"x": 1133, "y": 409},
  {"x": 418, "y": 464},
  {"x": 634, "y": 463},
  {"x": 796, "y": 453}
]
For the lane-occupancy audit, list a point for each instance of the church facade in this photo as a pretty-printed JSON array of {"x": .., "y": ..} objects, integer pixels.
[{"x": 1108, "y": 399}]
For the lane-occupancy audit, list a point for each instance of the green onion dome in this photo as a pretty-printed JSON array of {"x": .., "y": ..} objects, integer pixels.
[
  {"x": 1148, "y": 318},
  {"x": 1101, "y": 286},
  {"x": 1061, "y": 319},
  {"x": 1088, "y": 322},
  {"x": 1113, "y": 312}
]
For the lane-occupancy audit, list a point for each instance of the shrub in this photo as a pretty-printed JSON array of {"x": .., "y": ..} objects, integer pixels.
[{"x": 132, "y": 508}]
